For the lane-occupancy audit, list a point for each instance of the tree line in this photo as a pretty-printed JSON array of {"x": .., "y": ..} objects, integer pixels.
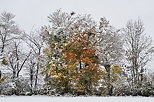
[{"x": 75, "y": 55}]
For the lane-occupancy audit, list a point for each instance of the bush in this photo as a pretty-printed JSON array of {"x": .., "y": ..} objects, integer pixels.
[{"x": 18, "y": 86}]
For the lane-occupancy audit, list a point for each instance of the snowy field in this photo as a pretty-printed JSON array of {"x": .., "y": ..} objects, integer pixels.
[{"x": 73, "y": 99}]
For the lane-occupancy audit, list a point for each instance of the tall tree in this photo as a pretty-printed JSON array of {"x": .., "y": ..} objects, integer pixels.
[
  {"x": 35, "y": 44},
  {"x": 9, "y": 31},
  {"x": 138, "y": 51},
  {"x": 81, "y": 28},
  {"x": 110, "y": 48}
]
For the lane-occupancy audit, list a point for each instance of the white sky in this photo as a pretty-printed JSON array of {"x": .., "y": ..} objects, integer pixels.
[{"x": 33, "y": 13}]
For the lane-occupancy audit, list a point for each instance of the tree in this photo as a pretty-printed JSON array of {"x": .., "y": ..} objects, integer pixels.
[
  {"x": 110, "y": 48},
  {"x": 16, "y": 59},
  {"x": 81, "y": 52},
  {"x": 35, "y": 44},
  {"x": 11, "y": 56},
  {"x": 138, "y": 51},
  {"x": 55, "y": 36},
  {"x": 8, "y": 29},
  {"x": 78, "y": 35}
]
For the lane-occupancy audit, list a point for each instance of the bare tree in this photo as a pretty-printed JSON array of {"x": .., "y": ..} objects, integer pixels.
[
  {"x": 35, "y": 44},
  {"x": 138, "y": 51},
  {"x": 16, "y": 59}
]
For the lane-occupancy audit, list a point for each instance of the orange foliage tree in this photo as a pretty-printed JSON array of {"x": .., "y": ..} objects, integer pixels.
[
  {"x": 81, "y": 53},
  {"x": 76, "y": 70}
]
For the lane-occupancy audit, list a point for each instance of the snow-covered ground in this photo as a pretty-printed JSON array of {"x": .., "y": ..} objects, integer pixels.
[{"x": 73, "y": 99}]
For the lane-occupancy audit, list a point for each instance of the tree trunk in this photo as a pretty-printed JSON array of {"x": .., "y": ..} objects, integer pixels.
[
  {"x": 0, "y": 74},
  {"x": 109, "y": 86},
  {"x": 36, "y": 77}
]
